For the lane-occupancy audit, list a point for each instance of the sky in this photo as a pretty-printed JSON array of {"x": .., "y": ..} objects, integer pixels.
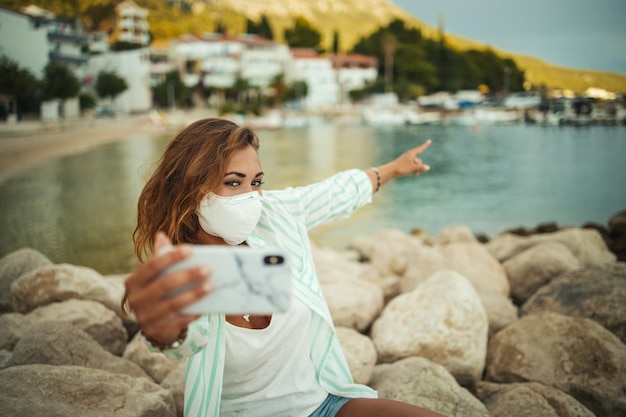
[{"x": 581, "y": 34}]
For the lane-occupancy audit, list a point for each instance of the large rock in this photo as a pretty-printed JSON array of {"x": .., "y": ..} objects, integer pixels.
[
  {"x": 535, "y": 267},
  {"x": 389, "y": 250},
  {"x": 155, "y": 364},
  {"x": 421, "y": 382},
  {"x": 12, "y": 327},
  {"x": 471, "y": 260},
  {"x": 587, "y": 245},
  {"x": 92, "y": 317},
  {"x": 60, "y": 343},
  {"x": 95, "y": 319},
  {"x": 443, "y": 320},
  {"x": 51, "y": 283},
  {"x": 338, "y": 267},
  {"x": 360, "y": 353},
  {"x": 575, "y": 355},
  {"x": 174, "y": 382},
  {"x": 12, "y": 266},
  {"x": 528, "y": 399},
  {"x": 73, "y": 391},
  {"x": 594, "y": 293},
  {"x": 474, "y": 262},
  {"x": 353, "y": 304},
  {"x": 617, "y": 235}
]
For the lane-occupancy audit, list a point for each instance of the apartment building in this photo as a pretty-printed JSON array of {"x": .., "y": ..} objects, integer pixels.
[
  {"x": 131, "y": 24},
  {"x": 34, "y": 37}
]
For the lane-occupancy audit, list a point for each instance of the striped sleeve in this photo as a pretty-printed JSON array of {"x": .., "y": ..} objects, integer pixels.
[{"x": 333, "y": 198}]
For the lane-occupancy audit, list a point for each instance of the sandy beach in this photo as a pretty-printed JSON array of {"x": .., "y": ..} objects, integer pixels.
[{"x": 26, "y": 143}]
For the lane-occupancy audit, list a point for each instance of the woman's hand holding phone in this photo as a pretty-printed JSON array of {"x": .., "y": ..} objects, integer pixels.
[{"x": 158, "y": 314}]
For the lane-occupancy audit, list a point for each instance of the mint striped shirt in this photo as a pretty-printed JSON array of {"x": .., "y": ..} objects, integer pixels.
[{"x": 287, "y": 216}]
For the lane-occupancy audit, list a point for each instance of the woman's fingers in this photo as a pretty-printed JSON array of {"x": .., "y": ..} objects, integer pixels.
[
  {"x": 418, "y": 150},
  {"x": 168, "y": 305},
  {"x": 155, "y": 300},
  {"x": 148, "y": 271}
]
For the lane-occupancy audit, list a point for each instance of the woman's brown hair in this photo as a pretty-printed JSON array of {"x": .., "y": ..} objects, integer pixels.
[{"x": 193, "y": 164}]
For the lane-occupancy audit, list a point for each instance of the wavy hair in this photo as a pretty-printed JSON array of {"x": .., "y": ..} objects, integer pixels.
[{"x": 192, "y": 165}]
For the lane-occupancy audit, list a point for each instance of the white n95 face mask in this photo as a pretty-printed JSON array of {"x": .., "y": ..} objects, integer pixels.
[{"x": 231, "y": 218}]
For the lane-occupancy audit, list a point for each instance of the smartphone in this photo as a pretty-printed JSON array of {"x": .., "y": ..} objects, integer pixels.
[{"x": 247, "y": 280}]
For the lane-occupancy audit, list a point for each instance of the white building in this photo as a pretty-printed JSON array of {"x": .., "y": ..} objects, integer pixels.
[
  {"x": 317, "y": 71},
  {"x": 217, "y": 60},
  {"x": 134, "y": 67},
  {"x": 34, "y": 40},
  {"x": 354, "y": 71},
  {"x": 131, "y": 24}
]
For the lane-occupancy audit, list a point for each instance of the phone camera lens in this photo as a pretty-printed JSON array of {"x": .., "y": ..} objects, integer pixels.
[{"x": 274, "y": 260}]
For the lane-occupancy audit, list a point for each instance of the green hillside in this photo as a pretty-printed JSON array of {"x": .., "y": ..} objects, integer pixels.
[{"x": 352, "y": 19}]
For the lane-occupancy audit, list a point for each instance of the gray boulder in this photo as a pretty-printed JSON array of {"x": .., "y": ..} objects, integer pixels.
[
  {"x": 535, "y": 267},
  {"x": 12, "y": 266},
  {"x": 575, "y": 355},
  {"x": 155, "y": 364},
  {"x": 51, "y": 283},
  {"x": 60, "y": 343},
  {"x": 74, "y": 391},
  {"x": 426, "y": 384},
  {"x": 594, "y": 293},
  {"x": 174, "y": 382},
  {"x": 528, "y": 399}
]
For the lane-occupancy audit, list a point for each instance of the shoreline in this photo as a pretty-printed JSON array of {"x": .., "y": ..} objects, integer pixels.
[{"x": 27, "y": 143}]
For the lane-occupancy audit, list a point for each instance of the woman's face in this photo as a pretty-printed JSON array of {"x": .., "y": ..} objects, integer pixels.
[{"x": 243, "y": 174}]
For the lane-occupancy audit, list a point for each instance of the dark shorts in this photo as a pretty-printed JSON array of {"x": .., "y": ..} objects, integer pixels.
[{"x": 330, "y": 406}]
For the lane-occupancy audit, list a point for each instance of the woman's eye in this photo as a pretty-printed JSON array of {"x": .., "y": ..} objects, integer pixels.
[
  {"x": 232, "y": 183},
  {"x": 257, "y": 183}
]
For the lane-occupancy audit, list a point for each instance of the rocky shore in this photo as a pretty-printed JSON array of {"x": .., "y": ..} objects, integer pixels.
[{"x": 524, "y": 324}]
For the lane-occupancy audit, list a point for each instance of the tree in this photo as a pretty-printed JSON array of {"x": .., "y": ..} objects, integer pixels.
[
  {"x": 389, "y": 45},
  {"x": 20, "y": 84},
  {"x": 335, "y": 42},
  {"x": 171, "y": 91},
  {"x": 303, "y": 35},
  {"x": 265, "y": 30},
  {"x": 59, "y": 82},
  {"x": 262, "y": 29},
  {"x": 110, "y": 85}
]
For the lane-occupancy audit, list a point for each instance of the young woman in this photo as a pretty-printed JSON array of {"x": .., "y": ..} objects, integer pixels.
[{"x": 286, "y": 364}]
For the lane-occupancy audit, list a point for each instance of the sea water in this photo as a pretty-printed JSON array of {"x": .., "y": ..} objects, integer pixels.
[{"x": 81, "y": 209}]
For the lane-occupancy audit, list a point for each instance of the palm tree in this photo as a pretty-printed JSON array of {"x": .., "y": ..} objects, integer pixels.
[{"x": 390, "y": 44}]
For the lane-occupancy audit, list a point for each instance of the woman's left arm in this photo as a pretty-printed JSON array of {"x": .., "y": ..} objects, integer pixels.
[{"x": 406, "y": 164}]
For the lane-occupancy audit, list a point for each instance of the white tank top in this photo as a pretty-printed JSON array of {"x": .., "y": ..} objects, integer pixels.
[{"x": 269, "y": 372}]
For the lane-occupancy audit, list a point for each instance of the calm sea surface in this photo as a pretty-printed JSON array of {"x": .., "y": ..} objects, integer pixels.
[{"x": 81, "y": 209}]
